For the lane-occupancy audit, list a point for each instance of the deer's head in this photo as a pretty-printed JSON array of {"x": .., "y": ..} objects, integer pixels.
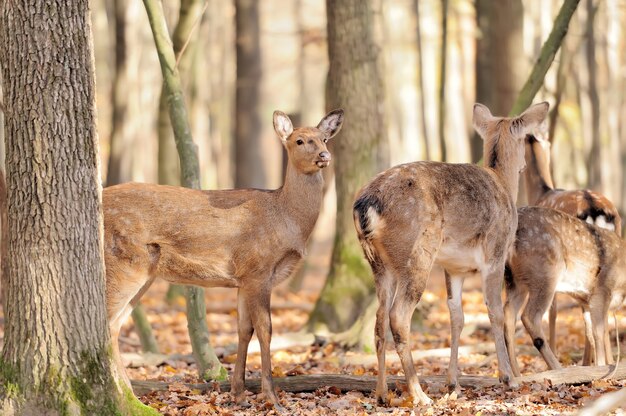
[
  {"x": 504, "y": 137},
  {"x": 306, "y": 146}
]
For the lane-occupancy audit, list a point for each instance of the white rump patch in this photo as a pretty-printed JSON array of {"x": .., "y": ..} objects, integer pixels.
[
  {"x": 374, "y": 219},
  {"x": 603, "y": 223}
]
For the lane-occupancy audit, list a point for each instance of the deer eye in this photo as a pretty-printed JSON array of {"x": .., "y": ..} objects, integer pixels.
[{"x": 299, "y": 142}]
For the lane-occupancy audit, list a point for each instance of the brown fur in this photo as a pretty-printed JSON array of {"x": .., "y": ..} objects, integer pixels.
[
  {"x": 558, "y": 253},
  {"x": 459, "y": 216},
  {"x": 584, "y": 204},
  {"x": 248, "y": 239}
]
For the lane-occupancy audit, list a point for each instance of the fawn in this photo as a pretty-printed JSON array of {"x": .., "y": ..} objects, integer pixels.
[
  {"x": 558, "y": 253},
  {"x": 249, "y": 239},
  {"x": 460, "y": 216},
  {"x": 585, "y": 204}
]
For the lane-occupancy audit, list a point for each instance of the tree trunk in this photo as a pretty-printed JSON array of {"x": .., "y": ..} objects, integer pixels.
[
  {"x": 546, "y": 56},
  {"x": 251, "y": 170},
  {"x": 500, "y": 63},
  {"x": 119, "y": 169},
  {"x": 355, "y": 83},
  {"x": 208, "y": 365},
  {"x": 57, "y": 352},
  {"x": 420, "y": 81},
  {"x": 442, "y": 80},
  {"x": 594, "y": 180}
]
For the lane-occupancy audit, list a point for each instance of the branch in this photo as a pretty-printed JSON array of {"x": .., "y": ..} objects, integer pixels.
[
  {"x": 312, "y": 382},
  {"x": 546, "y": 56}
]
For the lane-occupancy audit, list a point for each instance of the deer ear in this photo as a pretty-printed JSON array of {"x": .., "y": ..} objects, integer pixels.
[
  {"x": 282, "y": 125},
  {"x": 530, "y": 119},
  {"x": 331, "y": 123},
  {"x": 481, "y": 118}
]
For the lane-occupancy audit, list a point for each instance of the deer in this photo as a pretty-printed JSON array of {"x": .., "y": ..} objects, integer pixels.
[
  {"x": 459, "y": 216},
  {"x": 585, "y": 204},
  {"x": 249, "y": 239},
  {"x": 558, "y": 253}
]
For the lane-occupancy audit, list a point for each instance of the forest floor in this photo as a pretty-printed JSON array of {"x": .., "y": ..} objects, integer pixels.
[{"x": 289, "y": 315}]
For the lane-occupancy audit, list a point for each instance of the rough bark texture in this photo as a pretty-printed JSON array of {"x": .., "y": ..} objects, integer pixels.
[
  {"x": 251, "y": 170},
  {"x": 56, "y": 356},
  {"x": 500, "y": 63},
  {"x": 354, "y": 83},
  {"x": 209, "y": 366}
]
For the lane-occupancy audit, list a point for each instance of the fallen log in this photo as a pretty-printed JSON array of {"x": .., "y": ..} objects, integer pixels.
[{"x": 312, "y": 382}]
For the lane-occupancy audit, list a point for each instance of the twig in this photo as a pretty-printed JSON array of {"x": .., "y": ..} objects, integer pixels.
[{"x": 182, "y": 51}]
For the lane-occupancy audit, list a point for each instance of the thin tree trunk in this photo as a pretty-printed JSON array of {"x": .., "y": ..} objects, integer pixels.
[
  {"x": 56, "y": 357},
  {"x": 593, "y": 162},
  {"x": 420, "y": 81},
  {"x": 546, "y": 56},
  {"x": 251, "y": 170},
  {"x": 354, "y": 82},
  {"x": 119, "y": 169},
  {"x": 208, "y": 364},
  {"x": 442, "y": 80},
  {"x": 500, "y": 64}
]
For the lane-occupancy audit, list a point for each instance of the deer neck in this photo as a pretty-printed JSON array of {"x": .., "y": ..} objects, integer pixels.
[
  {"x": 500, "y": 162},
  {"x": 301, "y": 197},
  {"x": 537, "y": 174}
]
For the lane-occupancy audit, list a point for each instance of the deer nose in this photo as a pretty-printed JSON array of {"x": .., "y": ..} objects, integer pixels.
[{"x": 325, "y": 156}]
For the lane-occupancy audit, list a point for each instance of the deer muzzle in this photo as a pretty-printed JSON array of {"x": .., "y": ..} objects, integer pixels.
[{"x": 324, "y": 159}]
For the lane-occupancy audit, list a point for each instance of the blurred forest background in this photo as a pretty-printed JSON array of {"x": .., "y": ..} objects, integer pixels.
[{"x": 431, "y": 77}]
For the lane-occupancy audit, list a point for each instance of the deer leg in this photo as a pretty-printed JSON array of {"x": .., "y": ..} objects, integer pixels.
[
  {"x": 590, "y": 345},
  {"x": 552, "y": 322},
  {"x": 115, "y": 326},
  {"x": 119, "y": 298},
  {"x": 538, "y": 302},
  {"x": 607, "y": 346},
  {"x": 408, "y": 295},
  {"x": 599, "y": 308},
  {"x": 385, "y": 293},
  {"x": 262, "y": 323},
  {"x": 515, "y": 296},
  {"x": 492, "y": 289},
  {"x": 244, "y": 332},
  {"x": 454, "y": 287}
]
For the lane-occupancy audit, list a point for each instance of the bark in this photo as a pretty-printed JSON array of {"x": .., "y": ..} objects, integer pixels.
[
  {"x": 355, "y": 83},
  {"x": 57, "y": 352},
  {"x": 442, "y": 80},
  {"x": 251, "y": 163},
  {"x": 546, "y": 56},
  {"x": 306, "y": 383},
  {"x": 208, "y": 365}
]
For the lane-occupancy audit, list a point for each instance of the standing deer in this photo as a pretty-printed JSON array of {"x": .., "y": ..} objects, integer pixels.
[
  {"x": 460, "y": 216},
  {"x": 249, "y": 239},
  {"x": 558, "y": 253},
  {"x": 585, "y": 204}
]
